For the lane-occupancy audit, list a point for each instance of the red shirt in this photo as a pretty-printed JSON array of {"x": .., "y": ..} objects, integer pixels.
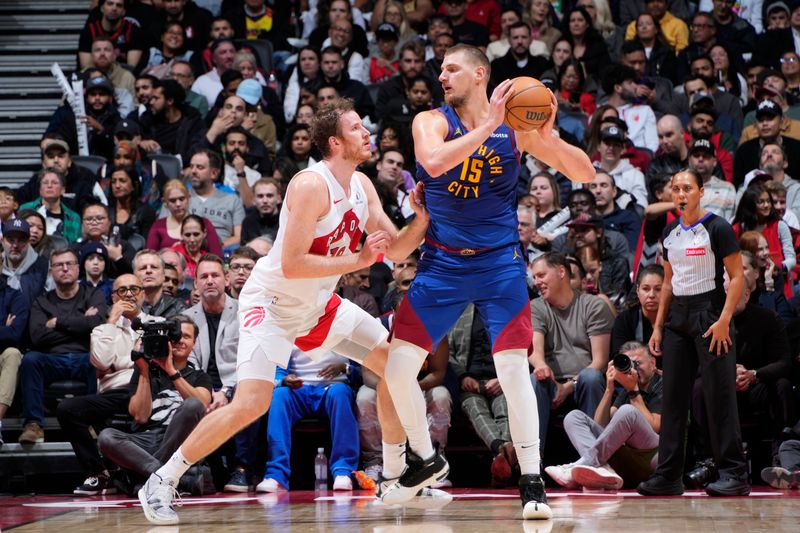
[{"x": 483, "y": 12}]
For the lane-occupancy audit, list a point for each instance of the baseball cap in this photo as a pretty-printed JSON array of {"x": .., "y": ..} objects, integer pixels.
[
  {"x": 701, "y": 96},
  {"x": 387, "y": 32},
  {"x": 17, "y": 225},
  {"x": 250, "y": 91},
  {"x": 127, "y": 126},
  {"x": 762, "y": 92},
  {"x": 703, "y": 145},
  {"x": 56, "y": 144},
  {"x": 93, "y": 247},
  {"x": 755, "y": 176},
  {"x": 584, "y": 220},
  {"x": 768, "y": 73},
  {"x": 768, "y": 108},
  {"x": 99, "y": 82},
  {"x": 612, "y": 133}
]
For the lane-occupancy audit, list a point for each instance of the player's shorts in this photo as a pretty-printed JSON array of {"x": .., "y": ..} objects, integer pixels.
[
  {"x": 447, "y": 282},
  {"x": 266, "y": 341}
]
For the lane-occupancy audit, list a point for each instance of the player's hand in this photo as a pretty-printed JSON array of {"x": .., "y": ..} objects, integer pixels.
[
  {"x": 543, "y": 373},
  {"x": 470, "y": 384},
  {"x": 292, "y": 381},
  {"x": 376, "y": 244},
  {"x": 218, "y": 399},
  {"x": 655, "y": 341},
  {"x": 416, "y": 200},
  {"x": 720, "y": 337},
  {"x": 546, "y": 130},
  {"x": 497, "y": 104},
  {"x": 493, "y": 388}
]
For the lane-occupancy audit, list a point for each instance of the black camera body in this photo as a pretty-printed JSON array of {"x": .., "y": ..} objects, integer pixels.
[
  {"x": 624, "y": 364},
  {"x": 156, "y": 336}
]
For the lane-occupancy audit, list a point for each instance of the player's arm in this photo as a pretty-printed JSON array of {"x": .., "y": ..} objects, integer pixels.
[
  {"x": 562, "y": 156},
  {"x": 436, "y": 155},
  {"x": 307, "y": 201},
  {"x": 404, "y": 241}
]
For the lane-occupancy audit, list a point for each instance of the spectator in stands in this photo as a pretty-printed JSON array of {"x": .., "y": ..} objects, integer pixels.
[
  {"x": 168, "y": 398},
  {"x": 39, "y": 240},
  {"x": 8, "y": 204},
  {"x": 195, "y": 20},
  {"x": 166, "y": 231},
  {"x": 655, "y": 90},
  {"x": 261, "y": 125},
  {"x": 14, "y": 310},
  {"x": 659, "y": 62},
  {"x": 264, "y": 219},
  {"x": 719, "y": 196},
  {"x": 518, "y": 61},
  {"x": 787, "y": 475},
  {"x": 59, "y": 325},
  {"x": 464, "y": 30},
  {"x": 482, "y": 399},
  {"x": 93, "y": 259},
  {"x": 298, "y": 148},
  {"x": 172, "y": 280},
  {"x": 332, "y": 66},
  {"x": 673, "y": 153},
  {"x": 306, "y": 71},
  {"x": 181, "y": 71},
  {"x": 143, "y": 90},
  {"x": 726, "y": 70},
  {"x": 588, "y": 45},
  {"x": 570, "y": 346},
  {"x": 433, "y": 66},
  {"x": 192, "y": 245},
  {"x": 508, "y": 15},
  {"x": 732, "y": 30},
  {"x": 240, "y": 266},
  {"x": 61, "y": 220},
  {"x": 773, "y": 162},
  {"x": 125, "y": 34},
  {"x": 773, "y": 85},
  {"x": 340, "y": 35},
  {"x": 96, "y": 227},
  {"x": 762, "y": 277},
  {"x": 674, "y": 29},
  {"x": 703, "y": 125},
  {"x": 769, "y": 117},
  {"x": 262, "y": 19},
  {"x": 619, "y": 83},
  {"x": 172, "y": 48},
  {"x": 309, "y": 387},
  {"x": 628, "y": 422},
  {"x": 354, "y": 286},
  {"x": 23, "y": 269},
  {"x": 412, "y": 62},
  {"x": 101, "y": 119},
  {"x": 571, "y": 93},
  {"x": 330, "y": 12},
  {"x": 209, "y": 84},
  {"x": 701, "y": 79},
  {"x": 231, "y": 115},
  {"x": 170, "y": 126},
  {"x": 110, "y": 354},
  {"x": 125, "y": 206},
  {"x": 539, "y": 14},
  {"x": 702, "y": 36},
  {"x": 605, "y": 190},
  {"x": 777, "y": 192},
  {"x": 224, "y": 210},
  {"x": 627, "y": 178},
  {"x": 149, "y": 268},
  {"x": 104, "y": 60},
  {"x": 238, "y": 177},
  {"x": 385, "y": 63},
  {"x": 635, "y": 322}
]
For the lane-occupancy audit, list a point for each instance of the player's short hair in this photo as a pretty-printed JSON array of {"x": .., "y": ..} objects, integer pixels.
[
  {"x": 473, "y": 54},
  {"x": 326, "y": 123}
]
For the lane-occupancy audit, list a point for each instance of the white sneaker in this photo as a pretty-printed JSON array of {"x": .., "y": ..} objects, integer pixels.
[
  {"x": 425, "y": 499},
  {"x": 374, "y": 472},
  {"x": 342, "y": 483},
  {"x": 597, "y": 477},
  {"x": 443, "y": 484},
  {"x": 270, "y": 485},
  {"x": 156, "y": 497},
  {"x": 562, "y": 474}
]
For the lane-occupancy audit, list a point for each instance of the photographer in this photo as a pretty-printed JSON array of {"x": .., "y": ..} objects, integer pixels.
[
  {"x": 631, "y": 419},
  {"x": 169, "y": 397}
]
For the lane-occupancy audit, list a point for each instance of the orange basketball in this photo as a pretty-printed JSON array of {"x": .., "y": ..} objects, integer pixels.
[{"x": 529, "y": 108}]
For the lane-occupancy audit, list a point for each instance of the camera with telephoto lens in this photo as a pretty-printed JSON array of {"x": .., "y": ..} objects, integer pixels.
[
  {"x": 156, "y": 336},
  {"x": 624, "y": 364},
  {"x": 704, "y": 472}
]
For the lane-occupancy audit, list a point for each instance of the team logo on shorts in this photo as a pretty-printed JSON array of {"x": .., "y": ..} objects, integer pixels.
[{"x": 254, "y": 317}]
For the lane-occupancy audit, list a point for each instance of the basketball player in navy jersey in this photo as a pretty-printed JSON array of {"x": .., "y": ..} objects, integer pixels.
[{"x": 469, "y": 162}]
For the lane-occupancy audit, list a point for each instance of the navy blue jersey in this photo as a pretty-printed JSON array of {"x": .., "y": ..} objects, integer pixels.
[{"x": 474, "y": 204}]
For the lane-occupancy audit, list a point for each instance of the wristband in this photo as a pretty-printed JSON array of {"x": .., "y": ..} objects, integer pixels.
[
  {"x": 241, "y": 175},
  {"x": 634, "y": 394},
  {"x": 175, "y": 376}
]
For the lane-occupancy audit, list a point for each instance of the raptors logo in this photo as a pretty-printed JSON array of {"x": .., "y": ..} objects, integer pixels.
[{"x": 254, "y": 317}]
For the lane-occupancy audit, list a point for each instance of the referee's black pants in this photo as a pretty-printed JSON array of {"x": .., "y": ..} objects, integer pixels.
[{"x": 685, "y": 351}]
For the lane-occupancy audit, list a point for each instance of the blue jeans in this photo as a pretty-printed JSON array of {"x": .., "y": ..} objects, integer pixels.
[
  {"x": 38, "y": 370},
  {"x": 288, "y": 406},
  {"x": 587, "y": 395}
]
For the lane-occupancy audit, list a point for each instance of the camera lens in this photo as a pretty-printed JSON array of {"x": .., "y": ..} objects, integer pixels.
[{"x": 622, "y": 363}]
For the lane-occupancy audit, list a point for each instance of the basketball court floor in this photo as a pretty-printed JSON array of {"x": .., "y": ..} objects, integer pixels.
[{"x": 472, "y": 510}]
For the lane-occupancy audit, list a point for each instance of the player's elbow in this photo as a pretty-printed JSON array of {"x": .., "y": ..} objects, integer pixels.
[
  {"x": 433, "y": 167},
  {"x": 290, "y": 270}
]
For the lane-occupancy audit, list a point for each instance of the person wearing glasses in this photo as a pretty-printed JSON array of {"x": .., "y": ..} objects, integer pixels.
[
  {"x": 60, "y": 324},
  {"x": 110, "y": 349},
  {"x": 241, "y": 264}
]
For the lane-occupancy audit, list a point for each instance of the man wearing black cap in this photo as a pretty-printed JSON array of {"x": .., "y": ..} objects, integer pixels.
[
  {"x": 101, "y": 118},
  {"x": 128, "y": 130},
  {"x": 703, "y": 125},
  {"x": 23, "y": 268},
  {"x": 719, "y": 196},
  {"x": 769, "y": 118},
  {"x": 628, "y": 178},
  {"x": 518, "y": 61}
]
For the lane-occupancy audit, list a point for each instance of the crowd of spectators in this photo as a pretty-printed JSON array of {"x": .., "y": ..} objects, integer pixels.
[{"x": 226, "y": 90}]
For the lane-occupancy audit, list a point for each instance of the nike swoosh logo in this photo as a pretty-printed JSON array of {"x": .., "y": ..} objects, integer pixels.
[
  {"x": 337, "y": 201},
  {"x": 526, "y": 447}
]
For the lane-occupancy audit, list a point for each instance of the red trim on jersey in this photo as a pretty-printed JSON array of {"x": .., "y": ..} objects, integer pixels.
[
  {"x": 326, "y": 245},
  {"x": 314, "y": 338},
  {"x": 408, "y": 327},
  {"x": 691, "y": 252},
  {"x": 517, "y": 334}
]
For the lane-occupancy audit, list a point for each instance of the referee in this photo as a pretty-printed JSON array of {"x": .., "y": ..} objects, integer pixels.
[{"x": 693, "y": 331}]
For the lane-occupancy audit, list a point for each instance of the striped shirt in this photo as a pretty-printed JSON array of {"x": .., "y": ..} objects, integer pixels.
[{"x": 696, "y": 253}]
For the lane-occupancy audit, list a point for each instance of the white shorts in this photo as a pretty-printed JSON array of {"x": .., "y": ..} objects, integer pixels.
[{"x": 266, "y": 342}]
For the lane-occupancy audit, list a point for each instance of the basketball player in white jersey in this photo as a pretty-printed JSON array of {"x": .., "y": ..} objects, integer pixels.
[{"x": 289, "y": 300}]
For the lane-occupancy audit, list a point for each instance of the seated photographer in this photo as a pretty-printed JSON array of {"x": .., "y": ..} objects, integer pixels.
[
  {"x": 109, "y": 352},
  {"x": 169, "y": 397},
  {"x": 630, "y": 419},
  {"x": 60, "y": 324},
  {"x": 149, "y": 268}
]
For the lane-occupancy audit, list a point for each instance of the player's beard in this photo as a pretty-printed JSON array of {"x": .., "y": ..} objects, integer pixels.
[
  {"x": 455, "y": 100},
  {"x": 353, "y": 153}
]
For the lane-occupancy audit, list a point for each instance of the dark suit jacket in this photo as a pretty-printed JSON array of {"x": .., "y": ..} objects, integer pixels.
[{"x": 505, "y": 68}]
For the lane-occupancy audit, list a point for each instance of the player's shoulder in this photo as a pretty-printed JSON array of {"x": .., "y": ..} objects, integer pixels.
[{"x": 431, "y": 116}]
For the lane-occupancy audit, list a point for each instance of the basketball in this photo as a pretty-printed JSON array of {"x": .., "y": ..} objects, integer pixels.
[{"x": 529, "y": 108}]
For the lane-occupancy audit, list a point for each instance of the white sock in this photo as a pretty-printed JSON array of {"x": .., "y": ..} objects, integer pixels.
[
  {"x": 523, "y": 416},
  {"x": 394, "y": 460},
  {"x": 174, "y": 468},
  {"x": 402, "y": 367}
]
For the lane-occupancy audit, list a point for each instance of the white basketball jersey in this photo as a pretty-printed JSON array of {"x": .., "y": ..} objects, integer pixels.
[{"x": 337, "y": 233}]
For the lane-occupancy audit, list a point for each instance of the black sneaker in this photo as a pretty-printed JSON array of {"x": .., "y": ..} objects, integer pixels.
[
  {"x": 728, "y": 487},
  {"x": 238, "y": 482},
  {"x": 534, "y": 499},
  {"x": 96, "y": 485},
  {"x": 418, "y": 474},
  {"x": 658, "y": 485}
]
